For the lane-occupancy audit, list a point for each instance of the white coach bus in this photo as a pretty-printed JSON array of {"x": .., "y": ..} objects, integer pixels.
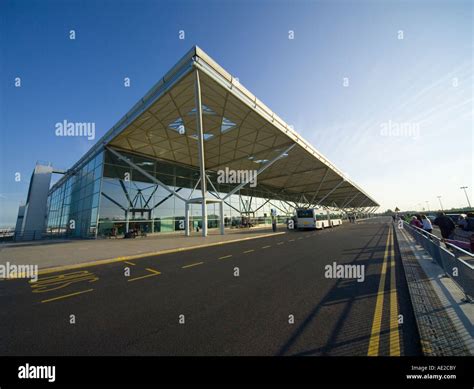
[{"x": 308, "y": 219}]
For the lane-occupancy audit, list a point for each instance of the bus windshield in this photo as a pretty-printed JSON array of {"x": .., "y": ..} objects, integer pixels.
[{"x": 305, "y": 213}]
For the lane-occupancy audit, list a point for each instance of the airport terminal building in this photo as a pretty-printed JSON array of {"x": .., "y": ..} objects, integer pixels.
[{"x": 197, "y": 152}]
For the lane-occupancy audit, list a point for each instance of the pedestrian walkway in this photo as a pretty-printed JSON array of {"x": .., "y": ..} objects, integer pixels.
[
  {"x": 445, "y": 321},
  {"x": 52, "y": 254}
]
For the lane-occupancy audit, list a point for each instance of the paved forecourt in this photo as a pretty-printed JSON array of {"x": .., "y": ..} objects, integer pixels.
[{"x": 268, "y": 296}]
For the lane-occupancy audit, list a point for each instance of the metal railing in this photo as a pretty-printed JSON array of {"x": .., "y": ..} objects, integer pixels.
[{"x": 452, "y": 259}]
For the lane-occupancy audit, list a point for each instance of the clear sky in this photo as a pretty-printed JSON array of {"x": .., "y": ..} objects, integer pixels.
[{"x": 384, "y": 89}]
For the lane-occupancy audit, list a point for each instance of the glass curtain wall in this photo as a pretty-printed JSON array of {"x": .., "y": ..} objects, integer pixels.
[
  {"x": 129, "y": 201},
  {"x": 105, "y": 197},
  {"x": 73, "y": 204}
]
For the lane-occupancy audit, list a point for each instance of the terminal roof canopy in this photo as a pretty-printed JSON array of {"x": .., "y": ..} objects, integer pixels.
[{"x": 240, "y": 132}]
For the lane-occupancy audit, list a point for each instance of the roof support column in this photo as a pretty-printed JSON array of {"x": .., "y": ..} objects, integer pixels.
[
  {"x": 319, "y": 186},
  {"x": 186, "y": 219},
  {"x": 351, "y": 200},
  {"x": 221, "y": 216},
  {"x": 371, "y": 210},
  {"x": 200, "y": 135},
  {"x": 362, "y": 204},
  {"x": 145, "y": 173},
  {"x": 343, "y": 211},
  {"x": 332, "y": 190},
  {"x": 267, "y": 165}
]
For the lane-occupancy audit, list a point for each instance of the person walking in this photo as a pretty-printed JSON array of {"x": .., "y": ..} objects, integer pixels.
[
  {"x": 445, "y": 224},
  {"x": 469, "y": 222},
  {"x": 427, "y": 226},
  {"x": 415, "y": 222}
]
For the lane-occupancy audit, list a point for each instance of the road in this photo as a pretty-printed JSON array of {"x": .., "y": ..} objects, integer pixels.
[{"x": 234, "y": 299}]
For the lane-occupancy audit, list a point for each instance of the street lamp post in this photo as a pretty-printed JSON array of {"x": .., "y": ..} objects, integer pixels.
[
  {"x": 440, "y": 204},
  {"x": 427, "y": 205},
  {"x": 467, "y": 197}
]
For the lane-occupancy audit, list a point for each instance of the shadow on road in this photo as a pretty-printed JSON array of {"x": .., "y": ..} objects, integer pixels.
[{"x": 347, "y": 339}]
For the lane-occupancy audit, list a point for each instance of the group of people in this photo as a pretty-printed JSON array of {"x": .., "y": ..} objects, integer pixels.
[
  {"x": 351, "y": 218},
  {"x": 466, "y": 222},
  {"x": 461, "y": 237},
  {"x": 422, "y": 221},
  {"x": 444, "y": 222},
  {"x": 242, "y": 222},
  {"x": 132, "y": 233}
]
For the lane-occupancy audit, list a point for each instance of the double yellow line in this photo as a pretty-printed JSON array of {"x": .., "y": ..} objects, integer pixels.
[{"x": 394, "y": 338}]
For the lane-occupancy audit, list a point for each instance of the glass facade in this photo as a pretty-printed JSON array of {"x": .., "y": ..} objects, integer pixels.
[
  {"x": 106, "y": 197},
  {"x": 73, "y": 204}
]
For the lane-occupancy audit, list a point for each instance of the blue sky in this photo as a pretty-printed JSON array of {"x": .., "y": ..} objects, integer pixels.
[{"x": 423, "y": 82}]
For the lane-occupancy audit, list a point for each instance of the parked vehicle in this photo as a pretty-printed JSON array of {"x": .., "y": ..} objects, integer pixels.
[{"x": 308, "y": 219}]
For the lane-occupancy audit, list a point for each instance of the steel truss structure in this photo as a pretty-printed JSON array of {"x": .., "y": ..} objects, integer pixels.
[{"x": 199, "y": 115}]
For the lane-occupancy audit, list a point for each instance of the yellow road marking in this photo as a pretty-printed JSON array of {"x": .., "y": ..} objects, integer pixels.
[
  {"x": 65, "y": 296},
  {"x": 225, "y": 256},
  {"x": 130, "y": 263},
  {"x": 58, "y": 281},
  {"x": 394, "y": 333},
  {"x": 377, "y": 321},
  {"x": 291, "y": 240},
  {"x": 248, "y": 251},
  {"x": 145, "y": 255},
  {"x": 193, "y": 264},
  {"x": 266, "y": 247},
  {"x": 279, "y": 243},
  {"x": 300, "y": 238},
  {"x": 153, "y": 273}
]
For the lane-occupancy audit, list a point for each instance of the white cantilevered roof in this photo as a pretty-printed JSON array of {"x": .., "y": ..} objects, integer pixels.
[{"x": 240, "y": 132}]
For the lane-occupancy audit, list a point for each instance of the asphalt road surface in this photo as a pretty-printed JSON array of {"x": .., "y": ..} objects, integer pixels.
[{"x": 269, "y": 296}]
